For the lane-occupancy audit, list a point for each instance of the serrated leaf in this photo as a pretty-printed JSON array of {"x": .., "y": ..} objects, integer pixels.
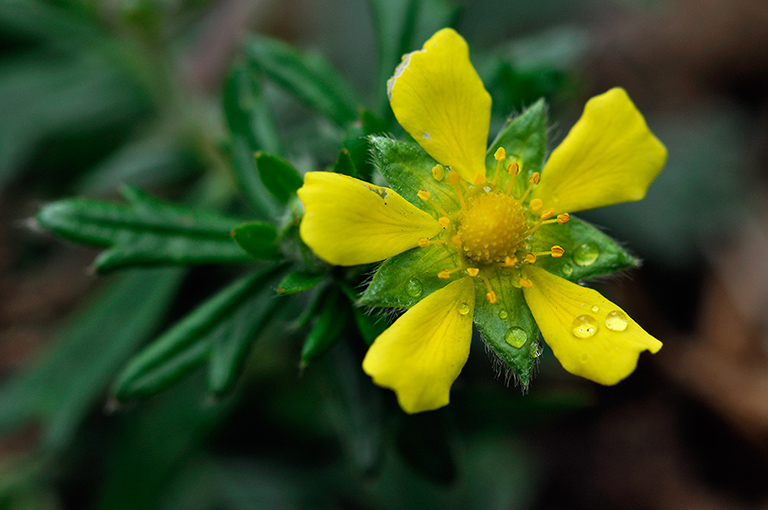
[
  {"x": 278, "y": 176},
  {"x": 331, "y": 320},
  {"x": 589, "y": 253},
  {"x": 508, "y": 327},
  {"x": 258, "y": 239},
  {"x": 299, "y": 281},
  {"x": 403, "y": 280},
  {"x": 189, "y": 342},
  {"x": 408, "y": 169},
  {"x": 309, "y": 77},
  {"x": 247, "y": 111},
  {"x": 145, "y": 231},
  {"x": 524, "y": 138}
]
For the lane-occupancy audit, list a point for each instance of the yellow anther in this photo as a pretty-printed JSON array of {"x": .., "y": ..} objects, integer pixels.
[
  {"x": 500, "y": 154},
  {"x": 438, "y": 172},
  {"x": 456, "y": 240},
  {"x": 473, "y": 271},
  {"x": 444, "y": 222},
  {"x": 510, "y": 261},
  {"x": 563, "y": 218},
  {"x": 444, "y": 274},
  {"x": 513, "y": 168},
  {"x": 535, "y": 178},
  {"x": 536, "y": 204},
  {"x": 525, "y": 282},
  {"x": 547, "y": 214},
  {"x": 530, "y": 258},
  {"x": 453, "y": 178},
  {"x": 479, "y": 179},
  {"x": 491, "y": 297},
  {"x": 423, "y": 242},
  {"x": 424, "y": 195},
  {"x": 557, "y": 251}
]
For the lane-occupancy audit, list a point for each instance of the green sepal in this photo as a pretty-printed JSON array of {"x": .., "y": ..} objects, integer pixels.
[
  {"x": 220, "y": 320},
  {"x": 524, "y": 138},
  {"x": 309, "y": 77},
  {"x": 278, "y": 176},
  {"x": 331, "y": 320},
  {"x": 408, "y": 169},
  {"x": 518, "y": 348},
  {"x": 145, "y": 231},
  {"x": 299, "y": 281},
  {"x": 579, "y": 239},
  {"x": 258, "y": 239},
  {"x": 395, "y": 282}
]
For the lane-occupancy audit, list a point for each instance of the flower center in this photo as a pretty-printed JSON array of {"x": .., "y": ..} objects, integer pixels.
[{"x": 492, "y": 228}]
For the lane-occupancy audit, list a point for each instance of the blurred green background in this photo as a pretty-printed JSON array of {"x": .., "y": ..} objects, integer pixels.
[{"x": 97, "y": 93}]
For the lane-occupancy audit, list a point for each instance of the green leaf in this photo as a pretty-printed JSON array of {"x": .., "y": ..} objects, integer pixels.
[
  {"x": 247, "y": 178},
  {"x": 278, "y": 176},
  {"x": 408, "y": 169},
  {"x": 258, "y": 239},
  {"x": 524, "y": 138},
  {"x": 403, "y": 280},
  {"x": 344, "y": 164},
  {"x": 220, "y": 320},
  {"x": 357, "y": 143},
  {"x": 508, "y": 326},
  {"x": 394, "y": 21},
  {"x": 309, "y": 77},
  {"x": 145, "y": 231},
  {"x": 247, "y": 111},
  {"x": 331, "y": 320},
  {"x": 70, "y": 378},
  {"x": 299, "y": 281},
  {"x": 589, "y": 253}
]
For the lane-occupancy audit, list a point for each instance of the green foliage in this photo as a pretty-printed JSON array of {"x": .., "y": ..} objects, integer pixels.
[
  {"x": 258, "y": 239},
  {"x": 145, "y": 231},
  {"x": 278, "y": 176}
]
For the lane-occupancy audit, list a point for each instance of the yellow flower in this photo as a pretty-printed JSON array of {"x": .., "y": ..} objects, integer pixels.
[{"x": 481, "y": 220}]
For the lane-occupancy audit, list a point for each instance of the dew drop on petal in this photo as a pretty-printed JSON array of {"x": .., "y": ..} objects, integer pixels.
[
  {"x": 595, "y": 308},
  {"x": 616, "y": 320},
  {"x": 567, "y": 270},
  {"x": 503, "y": 314},
  {"x": 413, "y": 288},
  {"x": 516, "y": 337},
  {"x": 586, "y": 254},
  {"x": 584, "y": 326},
  {"x": 463, "y": 308}
]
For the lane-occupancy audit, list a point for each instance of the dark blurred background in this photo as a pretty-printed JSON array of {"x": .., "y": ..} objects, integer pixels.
[{"x": 97, "y": 93}]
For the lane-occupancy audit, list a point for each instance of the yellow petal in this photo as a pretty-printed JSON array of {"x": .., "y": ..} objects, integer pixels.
[
  {"x": 348, "y": 222},
  {"x": 440, "y": 100},
  {"x": 590, "y": 336},
  {"x": 422, "y": 353},
  {"x": 609, "y": 156}
]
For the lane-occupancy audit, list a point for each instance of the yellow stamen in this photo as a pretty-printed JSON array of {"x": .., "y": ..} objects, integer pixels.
[
  {"x": 535, "y": 178},
  {"x": 473, "y": 271},
  {"x": 547, "y": 214},
  {"x": 491, "y": 297},
  {"x": 423, "y": 242},
  {"x": 525, "y": 282},
  {"x": 530, "y": 258},
  {"x": 424, "y": 195},
  {"x": 479, "y": 179},
  {"x": 444, "y": 222},
  {"x": 557, "y": 251},
  {"x": 438, "y": 172},
  {"x": 513, "y": 168},
  {"x": 563, "y": 218},
  {"x": 536, "y": 204},
  {"x": 453, "y": 178},
  {"x": 446, "y": 273},
  {"x": 510, "y": 261},
  {"x": 456, "y": 240},
  {"x": 500, "y": 154}
]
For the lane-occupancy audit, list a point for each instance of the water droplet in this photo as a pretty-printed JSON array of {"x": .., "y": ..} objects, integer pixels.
[
  {"x": 503, "y": 314},
  {"x": 584, "y": 326},
  {"x": 567, "y": 270},
  {"x": 463, "y": 308},
  {"x": 536, "y": 349},
  {"x": 616, "y": 320},
  {"x": 413, "y": 288},
  {"x": 516, "y": 337},
  {"x": 595, "y": 308},
  {"x": 586, "y": 254}
]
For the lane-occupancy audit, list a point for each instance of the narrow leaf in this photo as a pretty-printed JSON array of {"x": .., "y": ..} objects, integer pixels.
[
  {"x": 258, "y": 239},
  {"x": 344, "y": 164},
  {"x": 246, "y": 176},
  {"x": 299, "y": 281},
  {"x": 307, "y": 76},
  {"x": 145, "y": 231},
  {"x": 278, "y": 176},
  {"x": 331, "y": 320}
]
